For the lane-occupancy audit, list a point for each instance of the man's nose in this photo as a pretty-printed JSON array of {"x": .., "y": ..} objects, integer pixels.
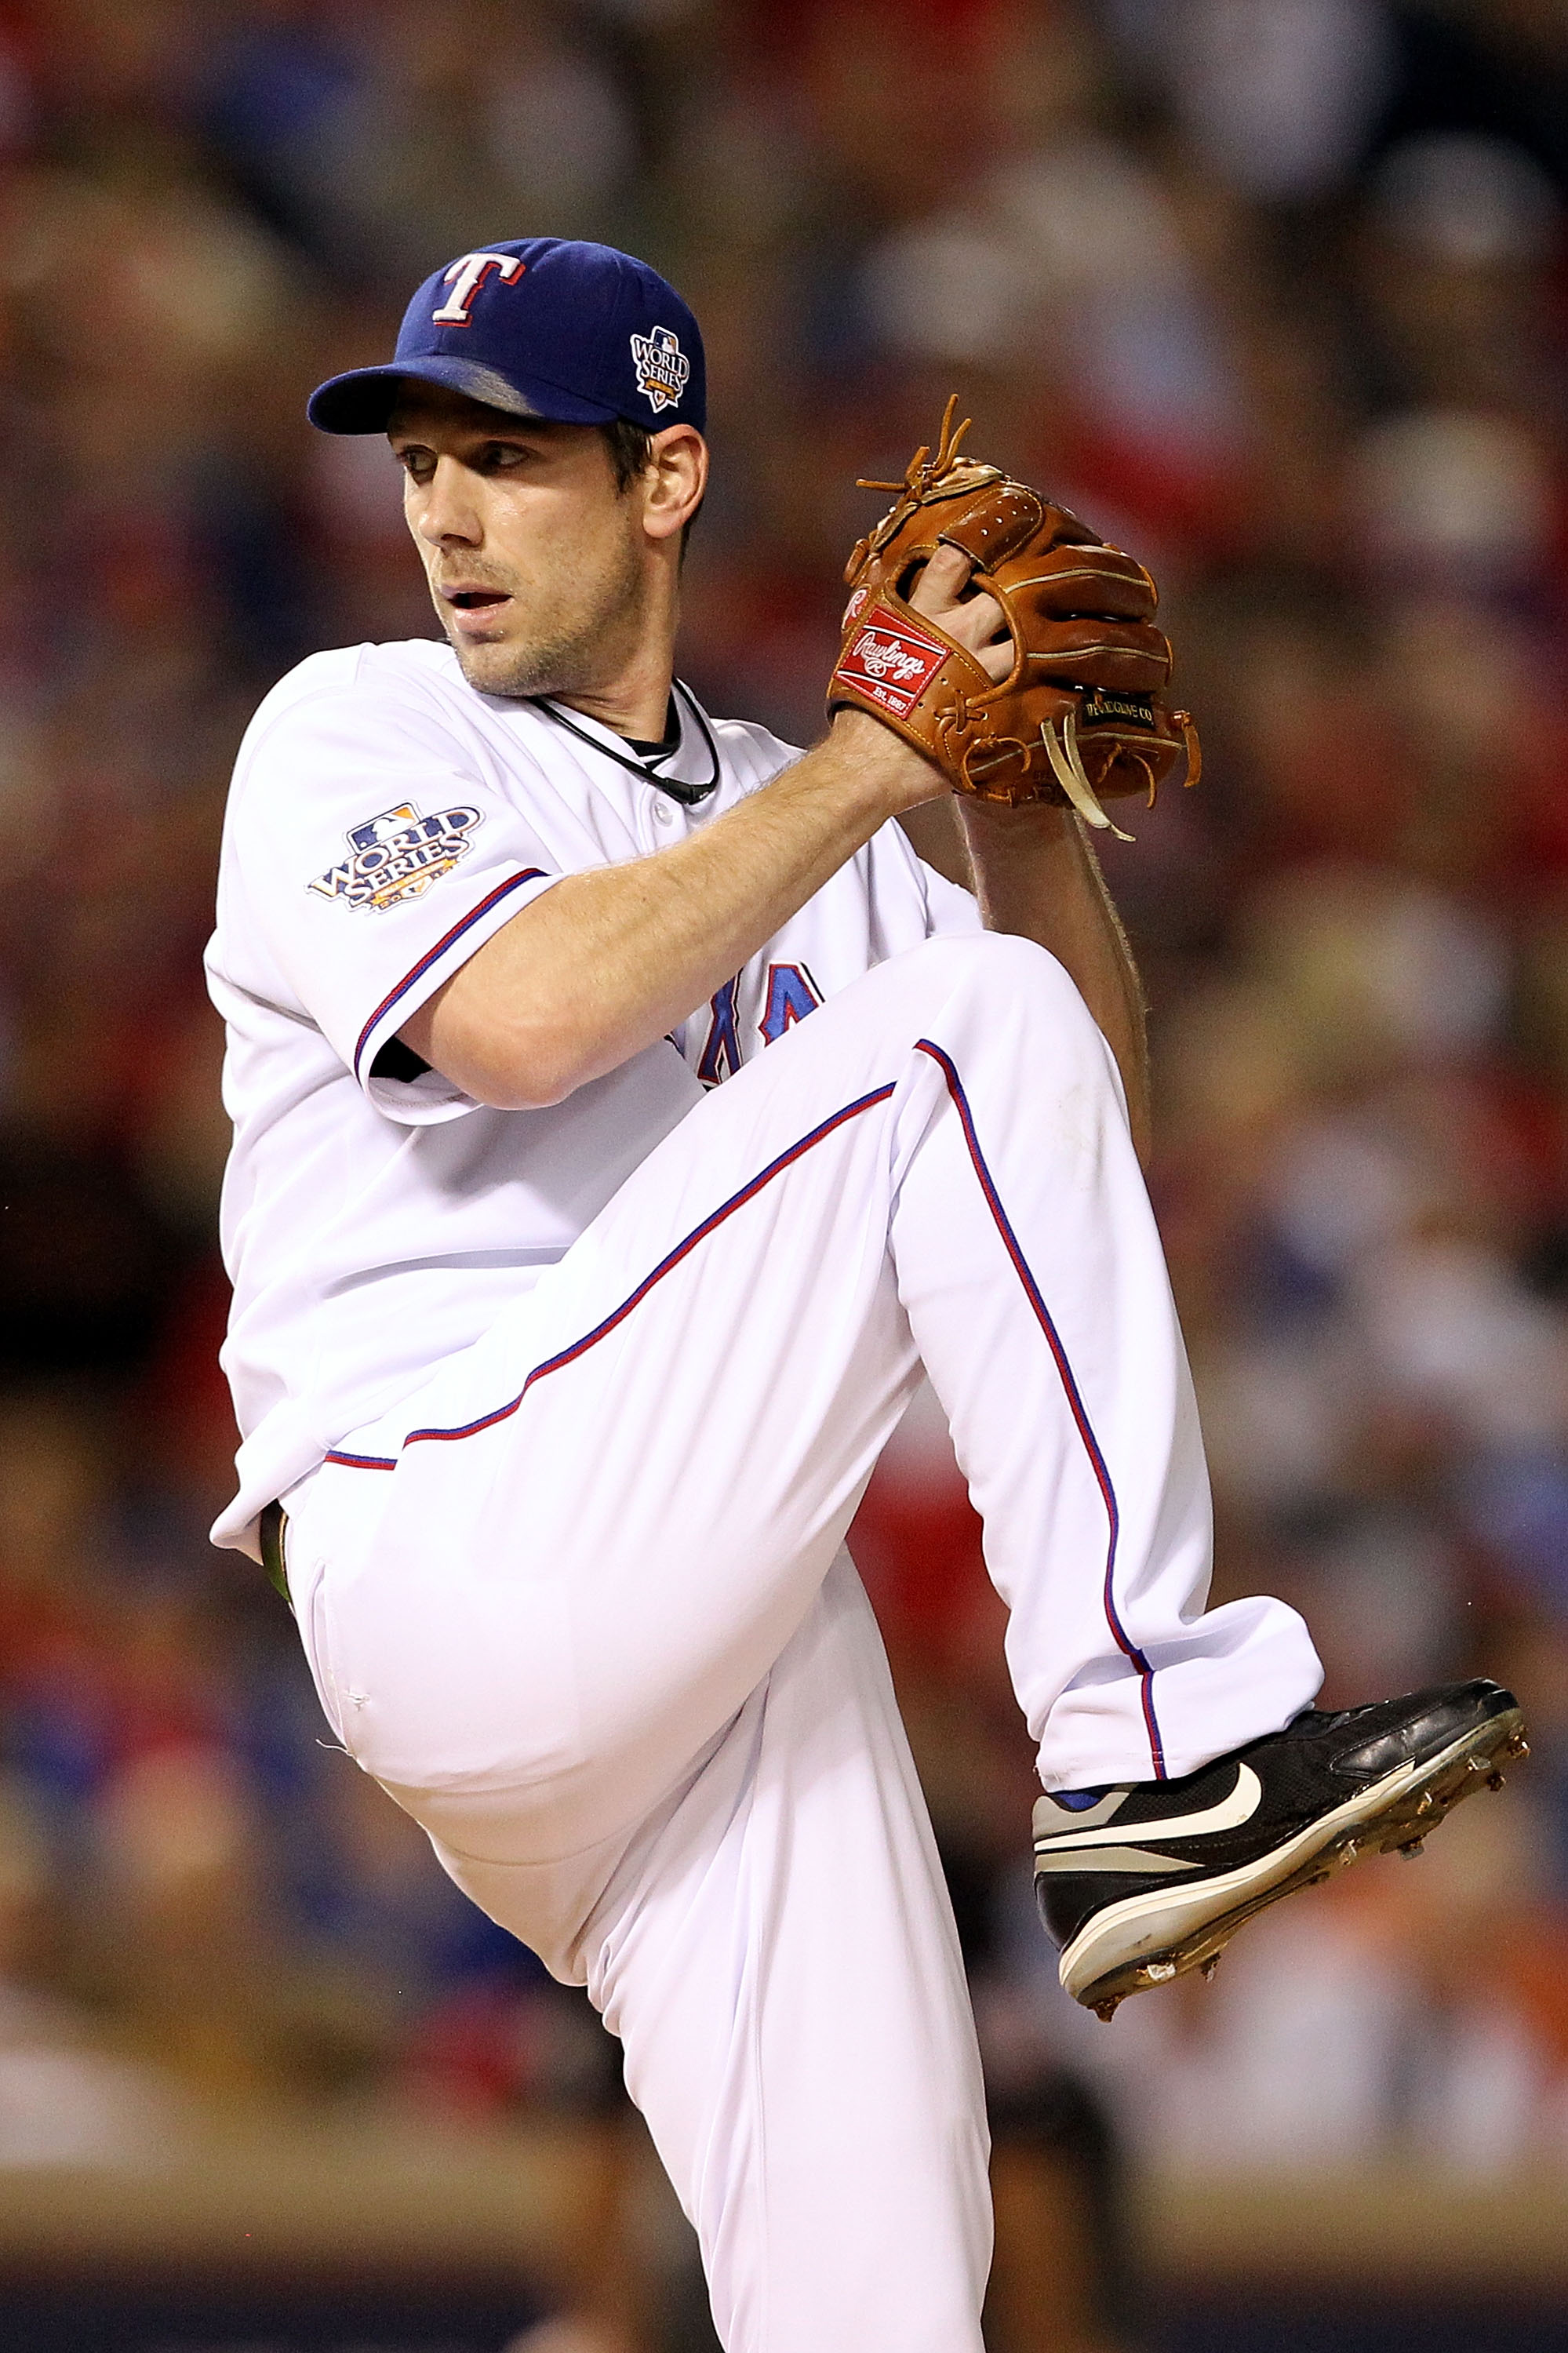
[{"x": 449, "y": 511}]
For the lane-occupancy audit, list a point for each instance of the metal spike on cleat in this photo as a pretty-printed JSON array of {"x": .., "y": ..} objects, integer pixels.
[
  {"x": 1108, "y": 2007},
  {"x": 1349, "y": 1852},
  {"x": 1158, "y": 1972},
  {"x": 1496, "y": 1780},
  {"x": 1412, "y": 1848},
  {"x": 1209, "y": 1967},
  {"x": 1425, "y": 1802}
]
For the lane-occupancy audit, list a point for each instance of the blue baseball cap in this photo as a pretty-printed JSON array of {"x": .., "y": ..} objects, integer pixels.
[{"x": 539, "y": 326}]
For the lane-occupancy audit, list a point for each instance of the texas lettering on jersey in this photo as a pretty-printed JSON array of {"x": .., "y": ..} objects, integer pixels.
[
  {"x": 788, "y": 995},
  {"x": 398, "y": 855}
]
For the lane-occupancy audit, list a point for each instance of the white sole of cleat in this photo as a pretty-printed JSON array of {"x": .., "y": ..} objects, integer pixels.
[{"x": 1147, "y": 1940}]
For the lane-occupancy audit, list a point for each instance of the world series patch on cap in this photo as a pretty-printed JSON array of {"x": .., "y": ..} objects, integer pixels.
[{"x": 538, "y": 326}]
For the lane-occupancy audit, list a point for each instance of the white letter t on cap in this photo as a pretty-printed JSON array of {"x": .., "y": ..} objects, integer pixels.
[{"x": 466, "y": 277}]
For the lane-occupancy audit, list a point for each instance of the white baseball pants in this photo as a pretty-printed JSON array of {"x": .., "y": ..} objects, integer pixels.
[{"x": 581, "y": 1605}]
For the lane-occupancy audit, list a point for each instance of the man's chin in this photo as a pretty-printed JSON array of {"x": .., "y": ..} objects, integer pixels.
[
  {"x": 548, "y": 653},
  {"x": 498, "y": 669}
]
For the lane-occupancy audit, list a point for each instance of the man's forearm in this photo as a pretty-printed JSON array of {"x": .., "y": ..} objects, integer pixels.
[
  {"x": 609, "y": 960},
  {"x": 1036, "y": 875}
]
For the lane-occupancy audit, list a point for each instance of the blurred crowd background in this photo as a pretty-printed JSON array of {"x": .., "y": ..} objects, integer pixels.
[{"x": 1276, "y": 292}]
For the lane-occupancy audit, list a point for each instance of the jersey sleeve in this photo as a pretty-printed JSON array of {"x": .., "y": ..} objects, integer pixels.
[{"x": 368, "y": 860}]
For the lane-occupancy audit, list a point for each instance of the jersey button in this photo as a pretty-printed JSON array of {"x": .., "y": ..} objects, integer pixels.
[{"x": 662, "y": 813}]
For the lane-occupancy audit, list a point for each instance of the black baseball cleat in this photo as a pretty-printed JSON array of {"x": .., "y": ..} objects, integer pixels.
[{"x": 1151, "y": 1878}]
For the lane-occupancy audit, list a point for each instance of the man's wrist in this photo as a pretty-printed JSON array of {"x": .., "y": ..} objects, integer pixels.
[{"x": 896, "y": 775}]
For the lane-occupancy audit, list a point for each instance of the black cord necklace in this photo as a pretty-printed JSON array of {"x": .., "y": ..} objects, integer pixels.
[{"x": 690, "y": 795}]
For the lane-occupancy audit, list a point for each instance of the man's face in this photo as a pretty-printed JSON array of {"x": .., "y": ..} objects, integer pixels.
[{"x": 535, "y": 558}]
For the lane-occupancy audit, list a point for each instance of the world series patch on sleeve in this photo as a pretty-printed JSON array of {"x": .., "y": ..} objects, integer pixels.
[{"x": 1083, "y": 714}]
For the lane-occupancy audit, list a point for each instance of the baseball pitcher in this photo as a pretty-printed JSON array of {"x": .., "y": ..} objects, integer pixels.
[{"x": 624, "y": 1115}]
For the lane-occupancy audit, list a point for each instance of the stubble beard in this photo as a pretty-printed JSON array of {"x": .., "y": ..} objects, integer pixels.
[{"x": 577, "y": 651}]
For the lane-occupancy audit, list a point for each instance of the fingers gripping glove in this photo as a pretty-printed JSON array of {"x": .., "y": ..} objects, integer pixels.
[{"x": 1082, "y": 716}]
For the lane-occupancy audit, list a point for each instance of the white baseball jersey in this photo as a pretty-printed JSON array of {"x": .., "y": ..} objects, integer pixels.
[{"x": 385, "y": 820}]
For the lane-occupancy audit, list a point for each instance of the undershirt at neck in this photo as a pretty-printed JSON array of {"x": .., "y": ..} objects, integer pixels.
[{"x": 667, "y": 742}]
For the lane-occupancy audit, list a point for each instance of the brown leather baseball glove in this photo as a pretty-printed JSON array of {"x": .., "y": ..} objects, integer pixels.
[{"x": 1082, "y": 715}]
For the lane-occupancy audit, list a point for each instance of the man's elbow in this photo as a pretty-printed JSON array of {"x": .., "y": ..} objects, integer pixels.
[
  {"x": 527, "y": 1093},
  {"x": 510, "y": 1057},
  {"x": 528, "y": 1070},
  {"x": 525, "y": 1081}
]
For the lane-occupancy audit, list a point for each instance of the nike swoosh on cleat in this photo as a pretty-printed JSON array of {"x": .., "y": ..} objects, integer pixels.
[
  {"x": 1229, "y": 1814},
  {"x": 1129, "y": 1860}
]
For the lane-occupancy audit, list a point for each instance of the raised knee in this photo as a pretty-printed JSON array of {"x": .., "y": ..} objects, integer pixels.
[
  {"x": 1008, "y": 974},
  {"x": 1002, "y": 995},
  {"x": 992, "y": 960}
]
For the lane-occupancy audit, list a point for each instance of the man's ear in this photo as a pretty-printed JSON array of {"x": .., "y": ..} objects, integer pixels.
[{"x": 676, "y": 477}]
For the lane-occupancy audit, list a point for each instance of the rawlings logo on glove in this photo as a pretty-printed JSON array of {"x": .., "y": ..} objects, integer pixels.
[
  {"x": 894, "y": 666},
  {"x": 1082, "y": 714}
]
